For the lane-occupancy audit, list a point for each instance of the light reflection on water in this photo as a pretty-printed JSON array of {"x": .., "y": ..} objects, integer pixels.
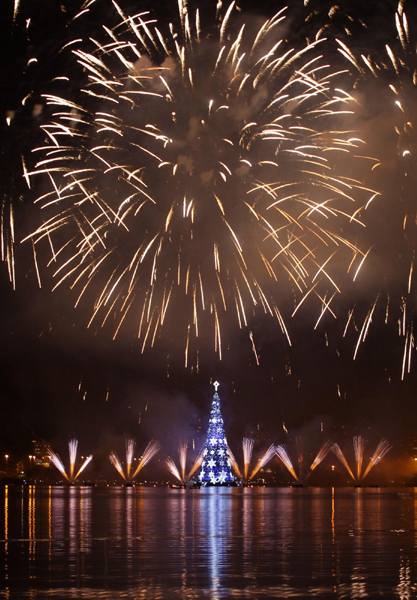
[{"x": 145, "y": 543}]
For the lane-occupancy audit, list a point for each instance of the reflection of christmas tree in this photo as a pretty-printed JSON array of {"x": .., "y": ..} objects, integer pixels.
[{"x": 215, "y": 468}]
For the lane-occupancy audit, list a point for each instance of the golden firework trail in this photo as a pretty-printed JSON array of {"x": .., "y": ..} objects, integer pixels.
[
  {"x": 263, "y": 460},
  {"x": 234, "y": 462},
  {"x": 339, "y": 453},
  {"x": 115, "y": 461},
  {"x": 172, "y": 468},
  {"x": 359, "y": 447},
  {"x": 321, "y": 454},
  {"x": 197, "y": 171},
  {"x": 283, "y": 455},
  {"x": 381, "y": 450},
  {"x": 151, "y": 449},
  {"x": 57, "y": 462},
  {"x": 247, "y": 446},
  {"x": 182, "y": 453},
  {"x": 180, "y": 473},
  {"x": 197, "y": 463}
]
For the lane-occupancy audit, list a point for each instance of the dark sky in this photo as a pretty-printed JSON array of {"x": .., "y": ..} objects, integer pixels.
[{"x": 59, "y": 380}]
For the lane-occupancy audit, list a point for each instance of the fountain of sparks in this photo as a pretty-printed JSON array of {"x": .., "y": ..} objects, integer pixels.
[
  {"x": 359, "y": 446},
  {"x": 180, "y": 473},
  {"x": 247, "y": 446},
  {"x": 151, "y": 449},
  {"x": 73, "y": 474},
  {"x": 381, "y": 450},
  {"x": 263, "y": 460},
  {"x": 282, "y": 453}
]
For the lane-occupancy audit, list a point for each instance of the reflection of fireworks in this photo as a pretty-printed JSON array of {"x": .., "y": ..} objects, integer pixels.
[
  {"x": 265, "y": 458},
  {"x": 282, "y": 453},
  {"x": 183, "y": 174},
  {"x": 57, "y": 462},
  {"x": 151, "y": 449}
]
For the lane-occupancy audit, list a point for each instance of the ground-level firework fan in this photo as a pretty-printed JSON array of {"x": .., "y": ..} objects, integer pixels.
[
  {"x": 73, "y": 474},
  {"x": 215, "y": 467},
  {"x": 129, "y": 474},
  {"x": 196, "y": 172},
  {"x": 359, "y": 446},
  {"x": 180, "y": 473}
]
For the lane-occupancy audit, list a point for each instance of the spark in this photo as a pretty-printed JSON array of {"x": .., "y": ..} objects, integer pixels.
[{"x": 214, "y": 200}]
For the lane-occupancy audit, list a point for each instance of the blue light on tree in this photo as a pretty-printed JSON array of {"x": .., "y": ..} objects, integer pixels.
[{"x": 216, "y": 468}]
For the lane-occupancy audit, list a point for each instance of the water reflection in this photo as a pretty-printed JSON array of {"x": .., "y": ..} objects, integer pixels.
[{"x": 72, "y": 542}]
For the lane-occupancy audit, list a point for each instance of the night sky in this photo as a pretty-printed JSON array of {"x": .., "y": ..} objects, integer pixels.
[{"x": 60, "y": 380}]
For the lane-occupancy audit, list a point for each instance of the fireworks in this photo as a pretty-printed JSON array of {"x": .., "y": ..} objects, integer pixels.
[
  {"x": 321, "y": 454},
  {"x": 247, "y": 446},
  {"x": 151, "y": 449},
  {"x": 73, "y": 475},
  {"x": 182, "y": 454},
  {"x": 339, "y": 453},
  {"x": 234, "y": 463},
  {"x": 359, "y": 447},
  {"x": 282, "y": 453},
  {"x": 196, "y": 169},
  {"x": 263, "y": 460},
  {"x": 386, "y": 82}
]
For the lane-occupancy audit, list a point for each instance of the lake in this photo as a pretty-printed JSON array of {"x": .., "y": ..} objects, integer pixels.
[{"x": 158, "y": 543}]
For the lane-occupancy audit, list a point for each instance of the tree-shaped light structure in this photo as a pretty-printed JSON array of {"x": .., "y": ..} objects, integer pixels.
[{"x": 216, "y": 468}]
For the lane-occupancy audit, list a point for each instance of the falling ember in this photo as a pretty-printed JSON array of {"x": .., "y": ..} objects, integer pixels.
[
  {"x": 338, "y": 451},
  {"x": 265, "y": 458},
  {"x": 381, "y": 450},
  {"x": 282, "y": 453},
  {"x": 247, "y": 445},
  {"x": 234, "y": 462}
]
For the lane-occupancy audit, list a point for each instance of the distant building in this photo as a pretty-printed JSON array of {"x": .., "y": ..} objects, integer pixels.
[{"x": 40, "y": 453}]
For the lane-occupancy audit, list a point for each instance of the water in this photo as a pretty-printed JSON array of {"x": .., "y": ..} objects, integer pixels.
[{"x": 145, "y": 543}]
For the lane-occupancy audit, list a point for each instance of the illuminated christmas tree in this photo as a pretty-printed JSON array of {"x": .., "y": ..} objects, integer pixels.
[{"x": 215, "y": 468}]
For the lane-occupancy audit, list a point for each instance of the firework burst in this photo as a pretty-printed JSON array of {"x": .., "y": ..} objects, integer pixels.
[
  {"x": 386, "y": 90},
  {"x": 193, "y": 173}
]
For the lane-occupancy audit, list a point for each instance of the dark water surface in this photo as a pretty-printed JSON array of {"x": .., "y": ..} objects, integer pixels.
[{"x": 211, "y": 543}]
